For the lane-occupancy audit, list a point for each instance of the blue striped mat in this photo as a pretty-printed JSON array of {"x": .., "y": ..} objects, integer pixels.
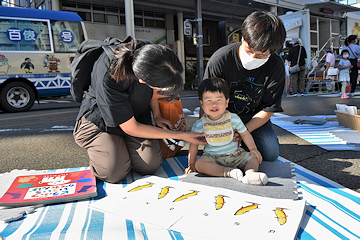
[
  {"x": 332, "y": 213},
  {"x": 319, "y": 135}
]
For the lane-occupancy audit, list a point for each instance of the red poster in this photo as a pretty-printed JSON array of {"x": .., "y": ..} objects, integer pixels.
[{"x": 50, "y": 188}]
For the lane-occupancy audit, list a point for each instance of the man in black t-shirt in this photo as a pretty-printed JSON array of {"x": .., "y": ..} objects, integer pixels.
[{"x": 256, "y": 76}]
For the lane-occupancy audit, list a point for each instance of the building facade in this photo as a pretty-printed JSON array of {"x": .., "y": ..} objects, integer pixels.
[{"x": 161, "y": 21}]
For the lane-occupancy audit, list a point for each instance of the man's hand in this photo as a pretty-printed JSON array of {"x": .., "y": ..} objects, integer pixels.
[{"x": 237, "y": 137}]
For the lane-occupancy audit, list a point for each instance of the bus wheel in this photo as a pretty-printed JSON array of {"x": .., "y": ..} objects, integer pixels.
[{"x": 16, "y": 97}]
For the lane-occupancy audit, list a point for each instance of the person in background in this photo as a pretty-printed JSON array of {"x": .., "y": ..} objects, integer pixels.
[
  {"x": 222, "y": 156},
  {"x": 354, "y": 54},
  {"x": 255, "y": 74},
  {"x": 114, "y": 122},
  {"x": 344, "y": 75},
  {"x": 284, "y": 54},
  {"x": 298, "y": 78},
  {"x": 330, "y": 69},
  {"x": 330, "y": 59}
]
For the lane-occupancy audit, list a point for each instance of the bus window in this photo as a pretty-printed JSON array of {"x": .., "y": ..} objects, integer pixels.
[
  {"x": 67, "y": 35},
  {"x": 24, "y": 35}
]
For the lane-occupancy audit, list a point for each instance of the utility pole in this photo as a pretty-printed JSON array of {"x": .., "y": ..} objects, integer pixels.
[
  {"x": 199, "y": 38},
  {"x": 129, "y": 18},
  {"x": 199, "y": 42}
]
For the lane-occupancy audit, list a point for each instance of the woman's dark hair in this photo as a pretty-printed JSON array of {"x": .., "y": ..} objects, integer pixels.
[
  {"x": 263, "y": 31},
  {"x": 349, "y": 39},
  {"x": 213, "y": 84},
  {"x": 155, "y": 64},
  {"x": 345, "y": 50}
]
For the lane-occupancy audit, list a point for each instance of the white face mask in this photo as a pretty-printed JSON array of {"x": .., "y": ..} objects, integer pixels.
[
  {"x": 345, "y": 55},
  {"x": 249, "y": 62}
]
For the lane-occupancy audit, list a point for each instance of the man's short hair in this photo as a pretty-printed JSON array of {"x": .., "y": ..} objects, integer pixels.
[
  {"x": 213, "y": 84},
  {"x": 263, "y": 31}
]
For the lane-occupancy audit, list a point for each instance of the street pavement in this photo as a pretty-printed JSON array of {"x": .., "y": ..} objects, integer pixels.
[{"x": 342, "y": 167}]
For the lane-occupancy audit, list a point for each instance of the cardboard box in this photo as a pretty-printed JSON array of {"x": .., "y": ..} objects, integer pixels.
[{"x": 349, "y": 120}]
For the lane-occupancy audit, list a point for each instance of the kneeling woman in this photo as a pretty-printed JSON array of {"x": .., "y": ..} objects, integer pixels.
[{"x": 114, "y": 123}]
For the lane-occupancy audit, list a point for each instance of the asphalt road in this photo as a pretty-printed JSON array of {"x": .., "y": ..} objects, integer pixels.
[{"x": 42, "y": 138}]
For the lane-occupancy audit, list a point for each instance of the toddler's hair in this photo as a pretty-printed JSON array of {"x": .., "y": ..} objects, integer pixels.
[{"x": 213, "y": 84}]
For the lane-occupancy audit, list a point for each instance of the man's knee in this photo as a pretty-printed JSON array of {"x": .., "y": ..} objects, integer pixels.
[
  {"x": 267, "y": 142},
  {"x": 270, "y": 149},
  {"x": 270, "y": 156}
]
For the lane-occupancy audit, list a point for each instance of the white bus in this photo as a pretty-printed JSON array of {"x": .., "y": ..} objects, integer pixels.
[{"x": 36, "y": 50}]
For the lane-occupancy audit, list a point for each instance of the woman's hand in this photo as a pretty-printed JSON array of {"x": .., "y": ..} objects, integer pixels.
[
  {"x": 133, "y": 128},
  {"x": 190, "y": 168},
  {"x": 163, "y": 123},
  {"x": 194, "y": 138}
]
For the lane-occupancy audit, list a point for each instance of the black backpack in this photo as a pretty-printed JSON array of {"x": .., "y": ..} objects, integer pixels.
[{"x": 81, "y": 67}]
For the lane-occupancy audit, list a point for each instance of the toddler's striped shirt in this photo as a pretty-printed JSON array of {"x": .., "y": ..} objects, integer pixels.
[{"x": 219, "y": 133}]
